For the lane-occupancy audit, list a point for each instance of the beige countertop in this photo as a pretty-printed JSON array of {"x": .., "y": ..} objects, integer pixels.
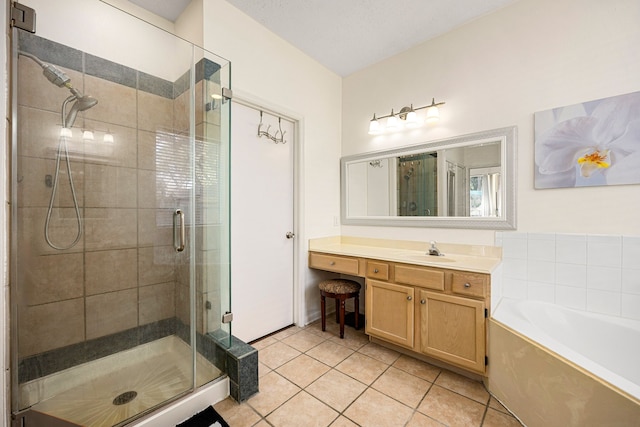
[{"x": 474, "y": 258}]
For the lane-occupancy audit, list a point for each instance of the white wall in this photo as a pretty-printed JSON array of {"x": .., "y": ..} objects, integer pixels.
[
  {"x": 265, "y": 67},
  {"x": 497, "y": 71}
]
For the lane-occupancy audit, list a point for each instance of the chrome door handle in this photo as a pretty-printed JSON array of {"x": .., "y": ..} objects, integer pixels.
[
  {"x": 178, "y": 230},
  {"x": 290, "y": 235}
]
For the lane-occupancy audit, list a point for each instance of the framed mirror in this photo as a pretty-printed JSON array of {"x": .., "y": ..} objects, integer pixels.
[{"x": 461, "y": 182}]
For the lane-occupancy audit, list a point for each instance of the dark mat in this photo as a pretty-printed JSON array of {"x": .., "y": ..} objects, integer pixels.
[{"x": 207, "y": 418}]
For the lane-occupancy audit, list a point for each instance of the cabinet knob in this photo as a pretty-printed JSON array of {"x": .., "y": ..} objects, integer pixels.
[
  {"x": 375, "y": 270},
  {"x": 423, "y": 301},
  {"x": 467, "y": 285},
  {"x": 332, "y": 263},
  {"x": 409, "y": 297}
]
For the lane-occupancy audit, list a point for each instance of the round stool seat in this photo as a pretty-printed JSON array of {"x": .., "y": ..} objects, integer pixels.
[{"x": 339, "y": 286}]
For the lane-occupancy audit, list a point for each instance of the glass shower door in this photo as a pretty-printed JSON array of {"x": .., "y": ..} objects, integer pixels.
[{"x": 120, "y": 208}]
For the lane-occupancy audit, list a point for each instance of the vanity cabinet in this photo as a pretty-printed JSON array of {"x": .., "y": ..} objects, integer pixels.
[
  {"x": 433, "y": 311},
  {"x": 452, "y": 329},
  {"x": 389, "y": 312}
]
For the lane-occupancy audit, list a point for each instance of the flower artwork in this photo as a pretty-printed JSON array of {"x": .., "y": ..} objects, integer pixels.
[{"x": 589, "y": 144}]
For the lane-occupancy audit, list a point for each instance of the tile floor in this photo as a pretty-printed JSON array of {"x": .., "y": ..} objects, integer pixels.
[{"x": 313, "y": 378}]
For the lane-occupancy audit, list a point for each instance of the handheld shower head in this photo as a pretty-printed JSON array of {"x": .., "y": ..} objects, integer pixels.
[{"x": 82, "y": 103}]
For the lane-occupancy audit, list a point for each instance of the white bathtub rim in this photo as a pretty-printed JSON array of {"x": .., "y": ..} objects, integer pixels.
[{"x": 507, "y": 313}]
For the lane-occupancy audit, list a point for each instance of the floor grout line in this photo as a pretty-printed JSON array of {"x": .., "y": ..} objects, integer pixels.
[{"x": 328, "y": 337}]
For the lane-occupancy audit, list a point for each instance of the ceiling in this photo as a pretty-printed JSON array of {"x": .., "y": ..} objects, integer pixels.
[{"x": 349, "y": 35}]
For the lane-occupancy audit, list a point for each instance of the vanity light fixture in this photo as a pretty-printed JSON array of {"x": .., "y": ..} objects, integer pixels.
[
  {"x": 66, "y": 132},
  {"x": 87, "y": 135},
  {"x": 406, "y": 117},
  {"x": 108, "y": 137}
]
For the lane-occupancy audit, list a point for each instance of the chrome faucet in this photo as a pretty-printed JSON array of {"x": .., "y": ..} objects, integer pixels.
[{"x": 433, "y": 250}]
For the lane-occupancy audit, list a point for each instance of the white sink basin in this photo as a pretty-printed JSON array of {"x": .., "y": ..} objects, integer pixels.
[{"x": 429, "y": 258}]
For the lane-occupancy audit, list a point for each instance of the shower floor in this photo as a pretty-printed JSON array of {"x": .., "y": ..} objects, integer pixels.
[{"x": 113, "y": 389}]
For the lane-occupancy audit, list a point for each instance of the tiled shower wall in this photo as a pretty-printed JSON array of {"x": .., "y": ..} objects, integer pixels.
[
  {"x": 123, "y": 272},
  {"x": 595, "y": 273}
]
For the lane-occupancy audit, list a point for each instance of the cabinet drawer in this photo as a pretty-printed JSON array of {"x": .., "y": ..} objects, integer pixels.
[
  {"x": 470, "y": 284},
  {"x": 336, "y": 263},
  {"x": 420, "y": 276},
  {"x": 378, "y": 270}
]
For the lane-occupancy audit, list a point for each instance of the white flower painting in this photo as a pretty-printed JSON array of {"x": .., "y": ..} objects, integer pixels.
[{"x": 589, "y": 144}]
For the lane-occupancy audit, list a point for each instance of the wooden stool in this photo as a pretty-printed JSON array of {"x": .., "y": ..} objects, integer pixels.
[{"x": 340, "y": 290}]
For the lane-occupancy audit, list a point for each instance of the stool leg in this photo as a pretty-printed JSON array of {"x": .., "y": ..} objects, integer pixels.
[
  {"x": 357, "y": 312},
  {"x": 342, "y": 317},
  {"x": 322, "y": 315},
  {"x": 337, "y": 310}
]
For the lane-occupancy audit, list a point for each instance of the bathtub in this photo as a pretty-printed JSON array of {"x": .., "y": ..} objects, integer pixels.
[{"x": 552, "y": 363}]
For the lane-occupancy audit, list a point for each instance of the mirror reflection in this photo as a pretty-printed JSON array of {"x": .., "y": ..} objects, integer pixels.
[{"x": 461, "y": 179}]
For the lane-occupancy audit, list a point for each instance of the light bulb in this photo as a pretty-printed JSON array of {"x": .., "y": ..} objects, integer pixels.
[
  {"x": 412, "y": 119},
  {"x": 374, "y": 126},
  {"x": 392, "y": 121},
  {"x": 87, "y": 135},
  {"x": 433, "y": 114},
  {"x": 108, "y": 137},
  {"x": 66, "y": 132}
]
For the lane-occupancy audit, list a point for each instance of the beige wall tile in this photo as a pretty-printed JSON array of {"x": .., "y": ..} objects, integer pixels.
[
  {"x": 157, "y": 302},
  {"x": 34, "y": 188},
  {"x": 62, "y": 230},
  {"x": 154, "y": 112},
  {"x": 49, "y": 326},
  {"x": 181, "y": 111},
  {"x": 50, "y": 278},
  {"x": 39, "y": 134},
  {"x": 35, "y": 90},
  {"x": 122, "y": 152},
  {"x": 111, "y": 312},
  {"x": 116, "y": 103},
  {"x": 110, "y": 228},
  {"x": 156, "y": 265},
  {"x": 110, "y": 187},
  {"x": 108, "y": 271},
  {"x": 155, "y": 227},
  {"x": 146, "y": 150}
]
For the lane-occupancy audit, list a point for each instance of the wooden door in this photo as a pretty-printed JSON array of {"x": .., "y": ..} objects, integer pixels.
[
  {"x": 453, "y": 329},
  {"x": 390, "y": 312}
]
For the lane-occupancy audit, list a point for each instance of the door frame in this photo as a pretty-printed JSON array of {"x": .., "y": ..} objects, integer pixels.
[{"x": 299, "y": 249}]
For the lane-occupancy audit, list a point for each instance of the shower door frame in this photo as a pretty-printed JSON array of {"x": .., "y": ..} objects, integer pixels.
[{"x": 13, "y": 161}]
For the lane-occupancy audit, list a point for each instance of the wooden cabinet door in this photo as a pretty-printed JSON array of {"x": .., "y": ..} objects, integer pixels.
[
  {"x": 390, "y": 312},
  {"x": 453, "y": 329}
]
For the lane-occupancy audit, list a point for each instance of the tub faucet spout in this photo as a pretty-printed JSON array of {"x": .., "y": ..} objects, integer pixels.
[{"x": 433, "y": 250}]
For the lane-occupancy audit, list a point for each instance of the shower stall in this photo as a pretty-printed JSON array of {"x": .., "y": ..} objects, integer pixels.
[{"x": 120, "y": 216}]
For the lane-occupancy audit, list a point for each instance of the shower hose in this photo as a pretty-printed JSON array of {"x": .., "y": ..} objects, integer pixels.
[{"x": 63, "y": 151}]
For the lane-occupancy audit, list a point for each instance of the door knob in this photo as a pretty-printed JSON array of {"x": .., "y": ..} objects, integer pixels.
[
  {"x": 409, "y": 297},
  {"x": 290, "y": 235}
]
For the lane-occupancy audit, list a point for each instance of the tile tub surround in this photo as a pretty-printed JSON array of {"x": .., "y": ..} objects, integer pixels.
[
  {"x": 595, "y": 273},
  {"x": 122, "y": 274},
  {"x": 307, "y": 374}
]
